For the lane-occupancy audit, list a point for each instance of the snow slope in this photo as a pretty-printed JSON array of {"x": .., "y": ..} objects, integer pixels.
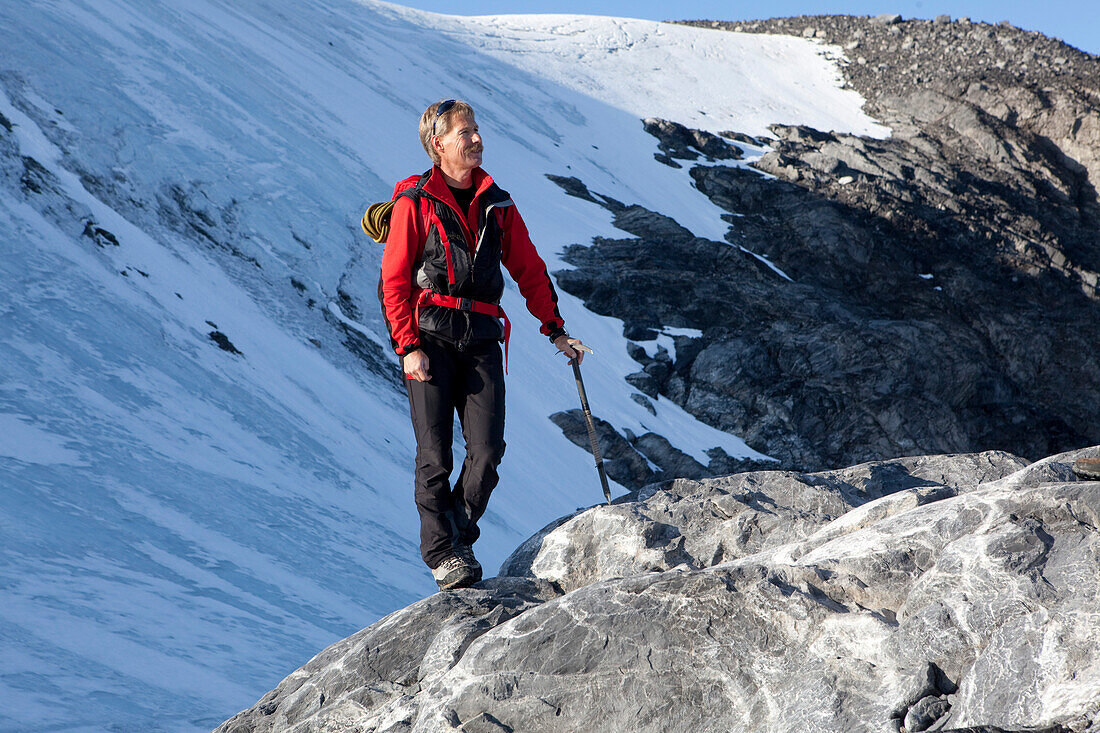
[{"x": 181, "y": 525}]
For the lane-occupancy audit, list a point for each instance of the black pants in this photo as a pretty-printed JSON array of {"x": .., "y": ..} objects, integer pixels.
[{"x": 471, "y": 382}]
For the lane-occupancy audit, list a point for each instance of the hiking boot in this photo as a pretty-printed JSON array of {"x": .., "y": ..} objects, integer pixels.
[
  {"x": 1087, "y": 468},
  {"x": 466, "y": 553},
  {"x": 453, "y": 573}
]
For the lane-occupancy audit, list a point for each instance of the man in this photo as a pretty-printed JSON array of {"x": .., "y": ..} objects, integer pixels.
[{"x": 451, "y": 229}]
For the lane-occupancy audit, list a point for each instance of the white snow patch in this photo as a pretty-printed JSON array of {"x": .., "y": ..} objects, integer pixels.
[{"x": 689, "y": 332}]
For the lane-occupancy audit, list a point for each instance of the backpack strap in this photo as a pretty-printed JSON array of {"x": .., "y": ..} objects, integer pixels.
[{"x": 414, "y": 194}]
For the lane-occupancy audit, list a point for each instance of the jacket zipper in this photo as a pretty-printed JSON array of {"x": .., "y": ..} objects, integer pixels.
[
  {"x": 484, "y": 228},
  {"x": 466, "y": 229}
]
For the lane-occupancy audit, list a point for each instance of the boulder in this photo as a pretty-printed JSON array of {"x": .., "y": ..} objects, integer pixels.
[{"x": 943, "y": 592}]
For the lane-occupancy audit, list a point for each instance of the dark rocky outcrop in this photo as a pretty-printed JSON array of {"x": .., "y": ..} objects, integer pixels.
[
  {"x": 943, "y": 280},
  {"x": 677, "y": 141},
  {"x": 935, "y": 593},
  {"x": 223, "y": 342},
  {"x": 635, "y": 461}
]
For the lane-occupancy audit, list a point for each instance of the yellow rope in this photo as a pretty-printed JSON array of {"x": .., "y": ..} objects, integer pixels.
[{"x": 376, "y": 222}]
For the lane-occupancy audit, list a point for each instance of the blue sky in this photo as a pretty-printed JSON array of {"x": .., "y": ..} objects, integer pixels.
[{"x": 1076, "y": 22}]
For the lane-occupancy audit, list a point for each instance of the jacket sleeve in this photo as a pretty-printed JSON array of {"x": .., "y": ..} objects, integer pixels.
[
  {"x": 527, "y": 268},
  {"x": 398, "y": 258}
]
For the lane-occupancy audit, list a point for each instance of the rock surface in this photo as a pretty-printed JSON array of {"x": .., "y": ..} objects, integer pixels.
[
  {"x": 942, "y": 280},
  {"x": 954, "y": 592}
]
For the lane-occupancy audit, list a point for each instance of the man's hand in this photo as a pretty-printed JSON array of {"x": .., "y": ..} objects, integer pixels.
[
  {"x": 415, "y": 364},
  {"x": 565, "y": 346}
]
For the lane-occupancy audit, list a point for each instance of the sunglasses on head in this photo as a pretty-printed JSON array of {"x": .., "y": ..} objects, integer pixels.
[{"x": 442, "y": 110}]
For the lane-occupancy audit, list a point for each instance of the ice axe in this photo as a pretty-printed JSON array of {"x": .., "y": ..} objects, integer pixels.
[{"x": 589, "y": 422}]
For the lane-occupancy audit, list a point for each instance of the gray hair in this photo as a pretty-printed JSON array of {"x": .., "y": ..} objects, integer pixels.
[{"x": 441, "y": 123}]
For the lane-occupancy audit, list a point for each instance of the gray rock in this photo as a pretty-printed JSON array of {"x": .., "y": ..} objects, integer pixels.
[
  {"x": 925, "y": 712},
  {"x": 740, "y": 137},
  {"x": 644, "y": 402},
  {"x": 636, "y": 461},
  {"x": 994, "y": 729},
  {"x": 645, "y": 382},
  {"x": 1087, "y": 468},
  {"x": 673, "y": 461},
  {"x": 381, "y": 668},
  {"x": 851, "y": 601},
  {"x": 638, "y": 220},
  {"x": 711, "y": 521},
  {"x": 924, "y": 265},
  {"x": 677, "y": 141},
  {"x": 622, "y": 462}
]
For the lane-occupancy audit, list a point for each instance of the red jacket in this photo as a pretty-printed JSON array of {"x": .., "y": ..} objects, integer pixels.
[{"x": 431, "y": 244}]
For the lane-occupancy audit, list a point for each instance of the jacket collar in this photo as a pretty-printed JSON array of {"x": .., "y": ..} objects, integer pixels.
[{"x": 437, "y": 185}]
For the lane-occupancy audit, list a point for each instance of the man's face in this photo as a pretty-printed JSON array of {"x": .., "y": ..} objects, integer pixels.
[{"x": 462, "y": 146}]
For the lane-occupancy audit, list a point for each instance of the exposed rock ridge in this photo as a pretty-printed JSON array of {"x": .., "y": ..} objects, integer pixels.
[
  {"x": 933, "y": 593},
  {"x": 945, "y": 278},
  {"x": 637, "y": 460},
  {"x": 856, "y": 359}
]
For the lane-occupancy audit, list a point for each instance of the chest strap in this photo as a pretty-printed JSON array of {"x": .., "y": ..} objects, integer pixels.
[{"x": 430, "y": 297}]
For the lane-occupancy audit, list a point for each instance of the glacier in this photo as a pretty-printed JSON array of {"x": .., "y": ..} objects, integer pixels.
[{"x": 183, "y": 525}]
